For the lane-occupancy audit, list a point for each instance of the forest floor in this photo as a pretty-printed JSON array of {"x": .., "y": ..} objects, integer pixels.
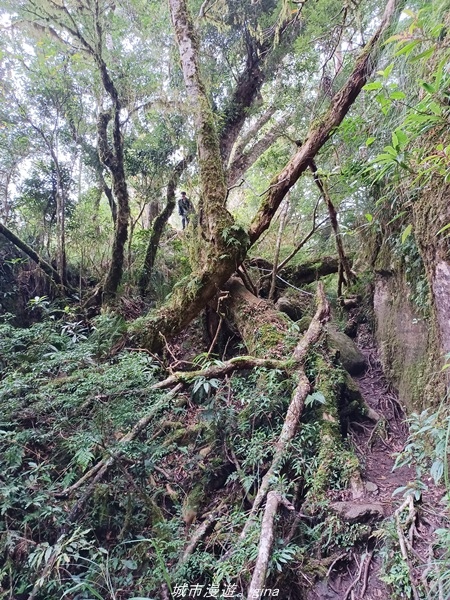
[{"x": 376, "y": 446}]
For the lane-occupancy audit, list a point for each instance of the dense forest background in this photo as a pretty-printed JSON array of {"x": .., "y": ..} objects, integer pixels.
[{"x": 259, "y": 401}]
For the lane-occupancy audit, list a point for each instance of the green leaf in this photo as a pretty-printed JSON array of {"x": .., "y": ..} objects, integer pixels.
[
  {"x": 403, "y": 139},
  {"x": 408, "y": 48},
  {"x": 391, "y": 150},
  {"x": 428, "y": 87},
  {"x": 398, "y": 95},
  {"x": 369, "y": 217},
  {"x": 410, "y": 13},
  {"x": 424, "y": 55},
  {"x": 394, "y": 38},
  {"x": 370, "y": 141},
  {"x": 444, "y": 228},
  {"x": 387, "y": 71},
  {"x": 406, "y": 233},
  {"x": 375, "y": 85},
  {"x": 315, "y": 397}
]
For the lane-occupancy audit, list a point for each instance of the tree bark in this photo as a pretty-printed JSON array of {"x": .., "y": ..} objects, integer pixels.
[
  {"x": 250, "y": 81},
  {"x": 112, "y": 158},
  {"x": 265, "y": 546}
]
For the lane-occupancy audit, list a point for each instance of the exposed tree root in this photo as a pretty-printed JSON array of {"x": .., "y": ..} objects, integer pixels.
[
  {"x": 363, "y": 569},
  {"x": 221, "y": 370},
  {"x": 200, "y": 532},
  {"x": 297, "y": 402},
  {"x": 265, "y": 545},
  {"x": 403, "y": 541}
]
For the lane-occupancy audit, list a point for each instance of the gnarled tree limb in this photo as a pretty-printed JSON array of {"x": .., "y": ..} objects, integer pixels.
[
  {"x": 238, "y": 363},
  {"x": 322, "y": 130}
]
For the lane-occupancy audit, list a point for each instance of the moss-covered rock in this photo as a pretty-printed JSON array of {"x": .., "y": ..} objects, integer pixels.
[
  {"x": 350, "y": 356},
  {"x": 289, "y": 307}
]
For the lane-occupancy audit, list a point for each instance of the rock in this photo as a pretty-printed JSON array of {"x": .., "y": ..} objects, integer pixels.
[
  {"x": 357, "y": 486},
  {"x": 370, "y": 486},
  {"x": 289, "y": 307},
  {"x": 358, "y": 513},
  {"x": 350, "y": 356},
  {"x": 351, "y": 329}
]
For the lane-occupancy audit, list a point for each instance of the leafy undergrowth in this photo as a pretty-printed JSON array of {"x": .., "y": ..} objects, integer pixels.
[{"x": 169, "y": 510}]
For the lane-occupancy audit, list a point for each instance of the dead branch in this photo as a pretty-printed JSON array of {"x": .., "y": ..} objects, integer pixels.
[
  {"x": 355, "y": 581},
  {"x": 265, "y": 545},
  {"x": 300, "y": 245},
  {"x": 199, "y": 533},
  {"x": 344, "y": 266},
  {"x": 366, "y": 575},
  {"x": 283, "y": 219},
  {"x": 51, "y": 273},
  {"x": 246, "y": 279}
]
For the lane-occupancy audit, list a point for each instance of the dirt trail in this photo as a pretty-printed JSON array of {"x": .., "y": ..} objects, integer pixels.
[{"x": 375, "y": 446}]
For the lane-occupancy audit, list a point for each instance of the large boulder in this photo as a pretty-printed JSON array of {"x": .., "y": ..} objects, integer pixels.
[{"x": 352, "y": 359}]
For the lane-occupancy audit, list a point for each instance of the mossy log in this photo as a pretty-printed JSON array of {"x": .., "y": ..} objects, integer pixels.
[{"x": 263, "y": 329}]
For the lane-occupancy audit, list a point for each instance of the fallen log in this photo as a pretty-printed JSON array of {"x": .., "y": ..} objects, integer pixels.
[{"x": 47, "y": 268}]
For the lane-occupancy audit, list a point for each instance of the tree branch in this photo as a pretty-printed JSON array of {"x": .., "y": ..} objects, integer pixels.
[
  {"x": 321, "y": 131},
  {"x": 238, "y": 363}
]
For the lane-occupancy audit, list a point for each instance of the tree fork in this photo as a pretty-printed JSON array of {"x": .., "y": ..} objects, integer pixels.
[{"x": 223, "y": 244}]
